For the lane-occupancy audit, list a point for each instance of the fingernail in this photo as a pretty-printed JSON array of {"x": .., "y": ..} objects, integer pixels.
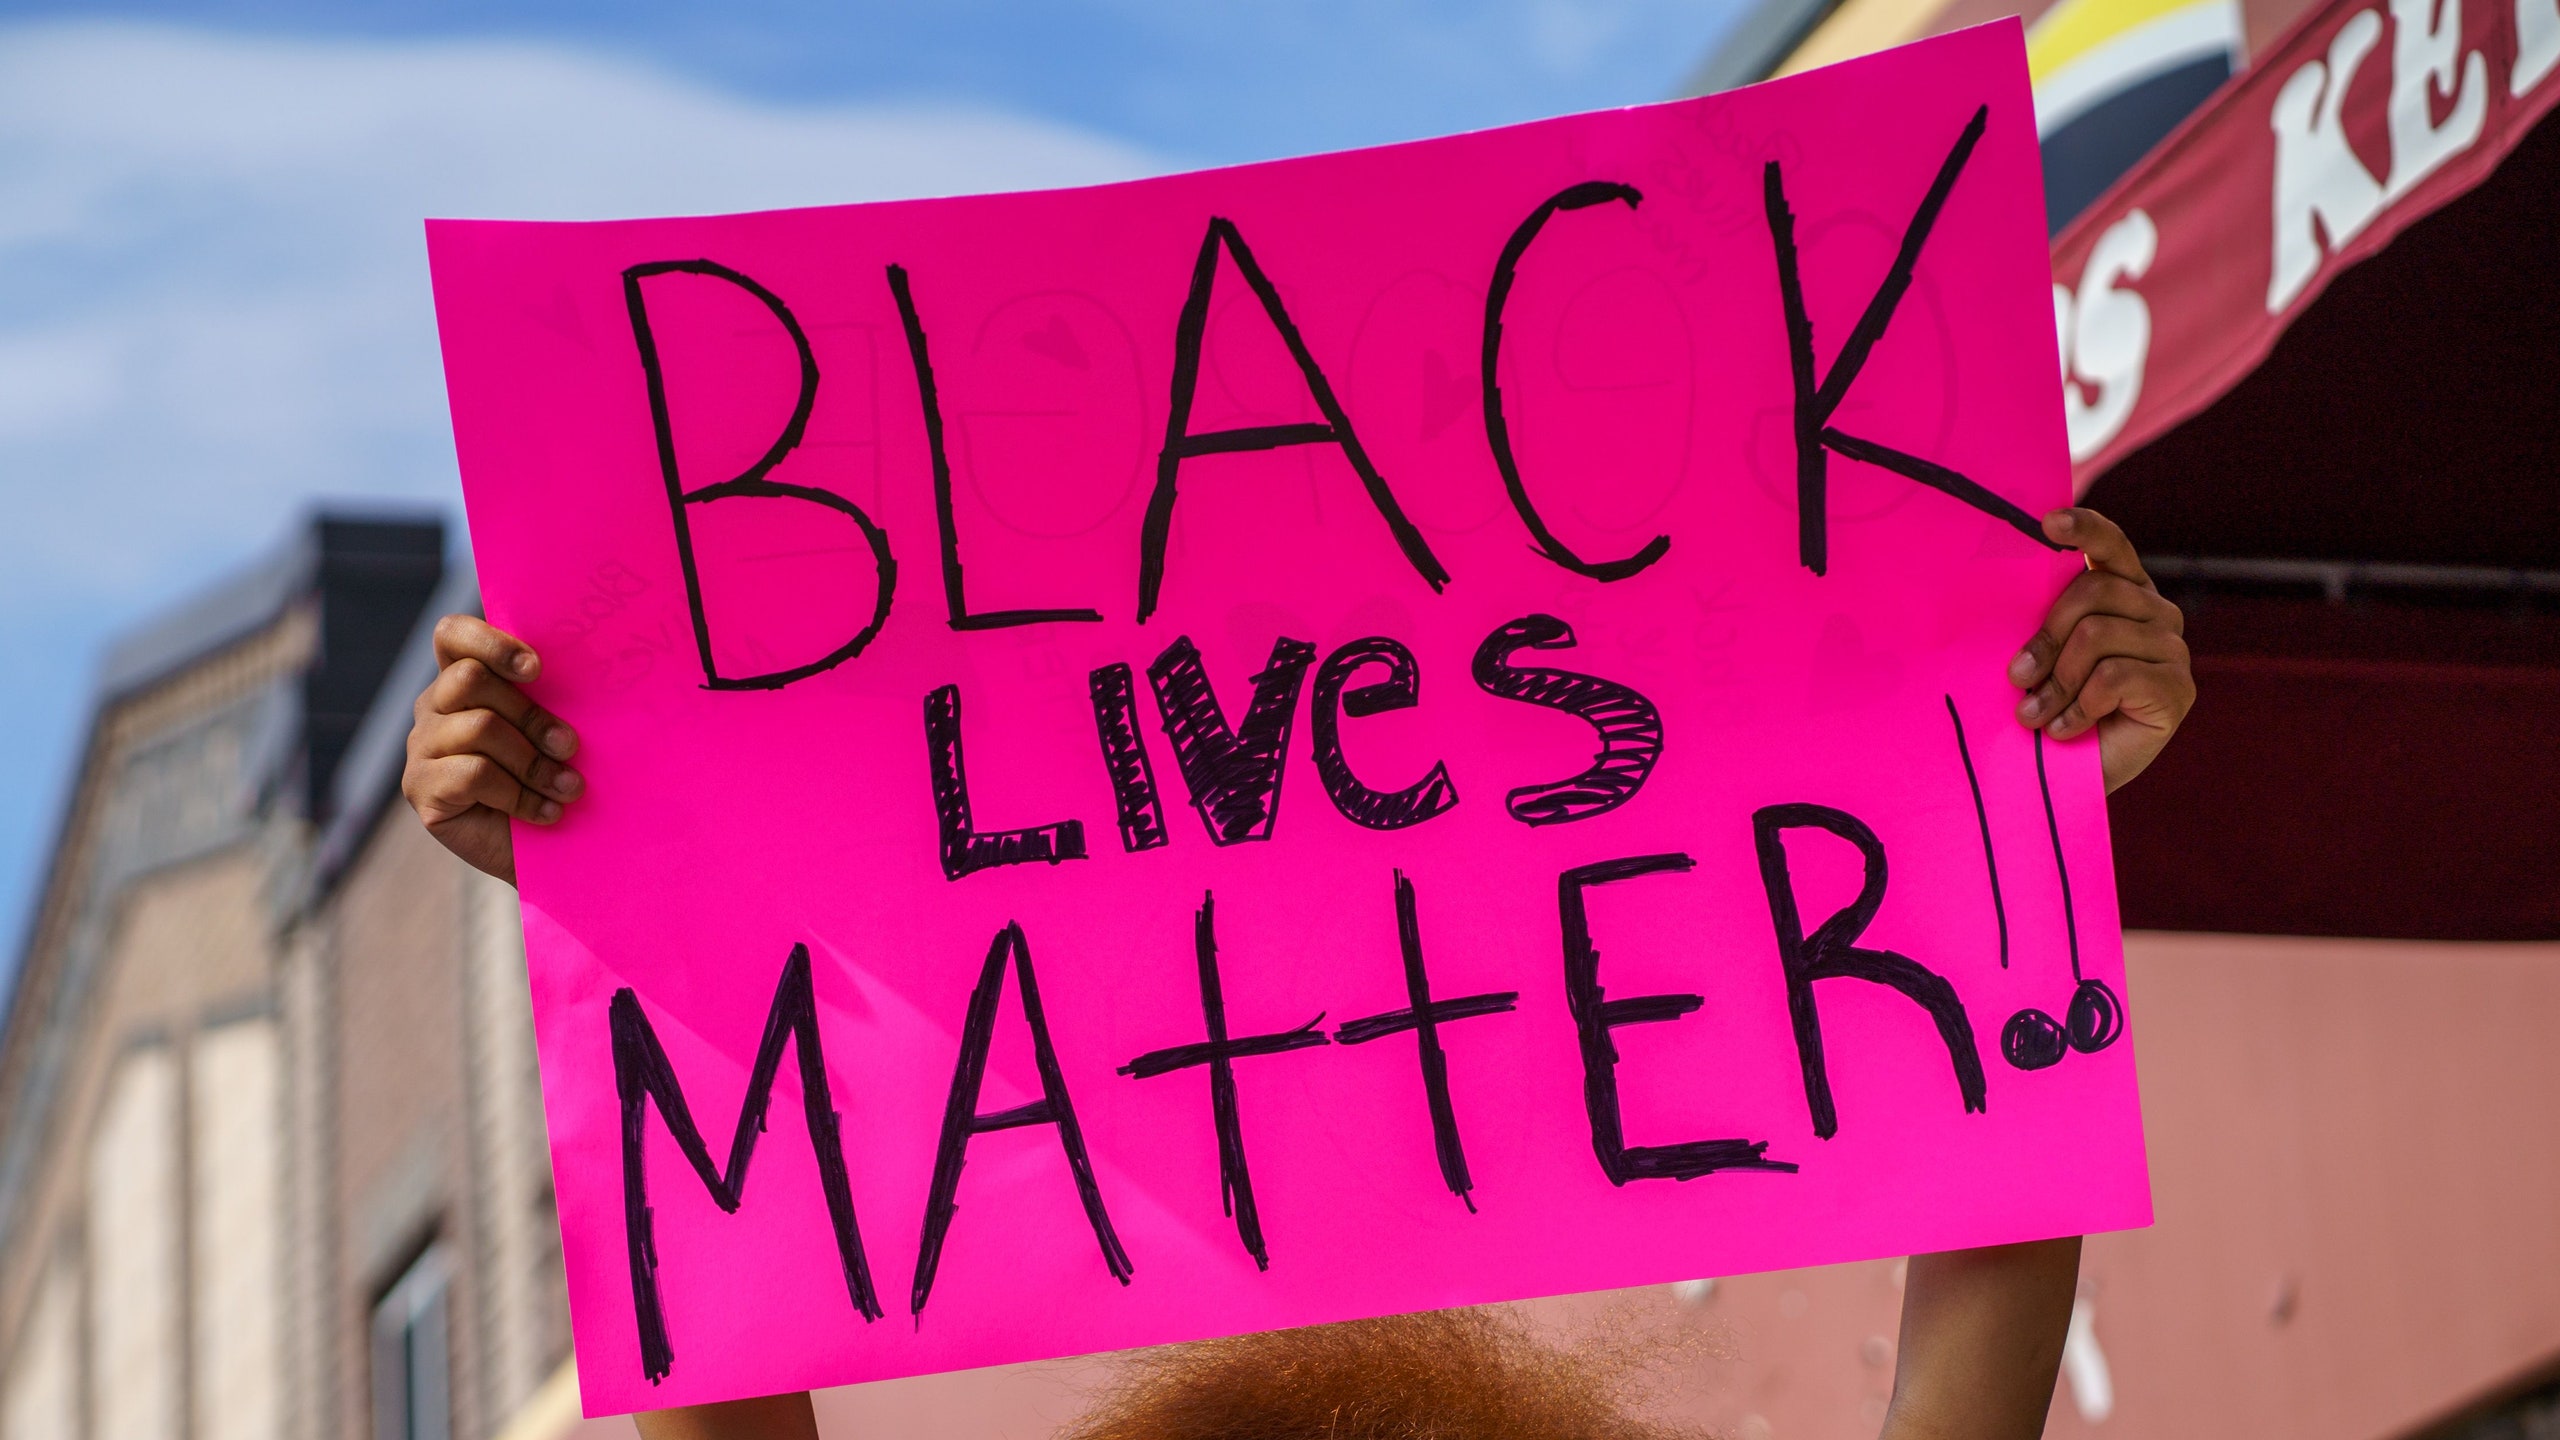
[
  {"x": 2023, "y": 668},
  {"x": 559, "y": 742},
  {"x": 546, "y": 812},
  {"x": 522, "y": 664},
  {"x": 2030, "y": 707},
  {"x": 2063, "y": 519},
  {"x": 570, "y": 784}
]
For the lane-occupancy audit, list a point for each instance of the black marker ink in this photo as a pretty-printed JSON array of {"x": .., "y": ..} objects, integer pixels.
[
  {"x": 953, "y": 593},
  {"x": 2061, "y": 871},
  {"x": 1497, "y": 428},
  {"x": 961, "y": 1121},
  {"x": 1124, "y": 759},
  {"x": 1233, "y": 775},
  {"x": 1831, "y": 953},
  {"x": 1595, "y": 1015},
  {"x": 1400, "y": 690},
  {"x": 1982, "y": 817},
  {"x": 1630, "y": 728},
  {"x": 1424, "y": 1016},
  {"x": 1816, "y": 403},
  {"x": 750, "y": 483},
  {"x": 1235, "y": 1180},
  {"x": 964, "y": 849},
  {"x": 642, "y": 1075},
  {"x": 2032, "y": 1040},
  {"x": 1181, "y": 444}
]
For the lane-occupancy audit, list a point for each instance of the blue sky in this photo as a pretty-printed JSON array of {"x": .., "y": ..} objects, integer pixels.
[
  {"x": 213, "y": 301},
  {"x": 1210, "y": 81}
]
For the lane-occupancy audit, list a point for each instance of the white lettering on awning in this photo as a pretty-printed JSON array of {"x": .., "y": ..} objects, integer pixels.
[
  {"x": 2424, "y": 58},
  {"x": 2105, "y": 334},
  {"x": 2317, "y": 173},
  {"x": 2537, "y": 44},
  {"x": 2319, "y": 180}
]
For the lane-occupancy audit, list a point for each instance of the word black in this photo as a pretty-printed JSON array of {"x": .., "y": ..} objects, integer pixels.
[{"x": 1818, "y": 398}]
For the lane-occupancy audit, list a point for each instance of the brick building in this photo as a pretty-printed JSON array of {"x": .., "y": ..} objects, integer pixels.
[{"x": 271, "y": 1150}]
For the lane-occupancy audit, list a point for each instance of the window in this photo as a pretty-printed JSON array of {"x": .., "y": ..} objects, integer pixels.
[{"x": 412, "y": 1370}]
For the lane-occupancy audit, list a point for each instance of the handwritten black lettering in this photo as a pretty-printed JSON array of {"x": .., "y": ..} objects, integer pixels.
[
  {"x": 1400, "y": 690},
  {"x": 1595, "y": 1015},
  {"x": 1124, "y": 758},
  {"x": 1982, "y": 817},
  {"x": 2032, "y": 1039},
  {"x": 1424, "y": 1016},
  {"x": 1233, "y": 775},
  {"x": 751, "y": 483},
  {"x": 954, "y": 592},
  {"x": 1831, "y": 953},
  {"x": 1629, "y": 726},
  {"x": 1497, "y": 427},
  {"x": 965, "y": 850},
  {"x": 1181, "y": 444},
  {"x": 1235, "y": 1178},
  {"x": 961, "y": 1121},
  {"x": 1816, "y": 402},
  {"x": 642, "y": 1075}
]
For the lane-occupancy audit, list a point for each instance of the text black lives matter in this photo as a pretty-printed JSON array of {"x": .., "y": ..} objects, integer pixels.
[{"x": 1231, "y": 772}]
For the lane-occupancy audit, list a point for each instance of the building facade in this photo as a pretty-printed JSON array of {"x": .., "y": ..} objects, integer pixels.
[{"x": 271, "y": 1149}]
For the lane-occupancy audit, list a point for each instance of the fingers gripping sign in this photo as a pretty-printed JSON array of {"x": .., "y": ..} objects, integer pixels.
[
  {"x": 2111, "y": 654},
  {"x": 481, "y": 753}
]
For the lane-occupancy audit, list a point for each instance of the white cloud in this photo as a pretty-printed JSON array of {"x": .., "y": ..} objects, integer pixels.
[{"x": 213, "y": 288}]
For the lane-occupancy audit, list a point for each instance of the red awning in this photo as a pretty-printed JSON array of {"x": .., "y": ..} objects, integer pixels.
[
  {"x": 2312, "y": 350},
  {"x": 2365, "y": 117}
]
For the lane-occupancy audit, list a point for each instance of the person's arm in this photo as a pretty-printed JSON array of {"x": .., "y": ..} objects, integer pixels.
[
  {"x": 1981, "y": 1339},
  {"x": 772, "y": 1417},
  {"x": 1982, "y": 1329}
]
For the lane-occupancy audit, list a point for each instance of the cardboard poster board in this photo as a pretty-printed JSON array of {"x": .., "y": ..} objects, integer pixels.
[{"x": 1392, "y": 730}]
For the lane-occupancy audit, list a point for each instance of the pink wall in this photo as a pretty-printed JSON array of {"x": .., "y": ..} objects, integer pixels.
[{"x": 2369, "y": 1128}]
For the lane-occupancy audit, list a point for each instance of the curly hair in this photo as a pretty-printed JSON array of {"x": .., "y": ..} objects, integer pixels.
[{"x": 1445, "y": 1375}]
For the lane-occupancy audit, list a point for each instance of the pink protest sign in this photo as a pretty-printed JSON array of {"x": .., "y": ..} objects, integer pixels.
[{"x": 1358, "y": 734}]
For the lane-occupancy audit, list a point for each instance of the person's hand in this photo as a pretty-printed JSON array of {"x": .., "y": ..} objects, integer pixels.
[
  {"x": 480, "y": 753},
  {"x": 2112, "y": 653}
]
